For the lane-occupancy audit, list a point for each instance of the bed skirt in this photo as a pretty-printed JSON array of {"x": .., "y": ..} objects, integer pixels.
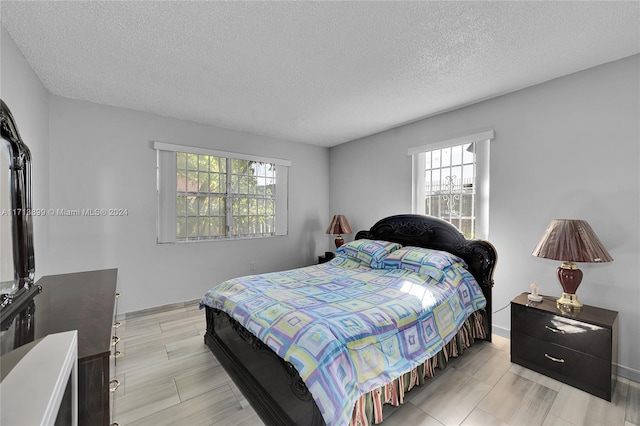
[{"x": 368, "y": 408}]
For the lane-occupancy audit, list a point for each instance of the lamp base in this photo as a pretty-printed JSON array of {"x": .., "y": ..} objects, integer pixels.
[
  {"x": 569, "y": 302},
  {"x": 570, "y": 277},
  {"x": 339, "y": 241}
]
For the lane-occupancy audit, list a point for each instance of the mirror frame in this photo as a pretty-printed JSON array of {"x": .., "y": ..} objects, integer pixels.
[{"x": 21, "y": 223}]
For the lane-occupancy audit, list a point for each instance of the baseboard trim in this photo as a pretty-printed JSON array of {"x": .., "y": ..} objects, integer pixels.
[
  {"x": 501, "y": 331},
  {"x": 629, "y": 373},
  {"x": 159, "y": 309}
]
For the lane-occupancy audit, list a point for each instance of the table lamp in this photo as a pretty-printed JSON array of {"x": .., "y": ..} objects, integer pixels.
[
  {"x": 570, "y": 240},
  {"x": 338, "y": 226}
]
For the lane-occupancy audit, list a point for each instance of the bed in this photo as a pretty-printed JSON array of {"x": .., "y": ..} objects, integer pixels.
[{"x": 236, "y": 330}]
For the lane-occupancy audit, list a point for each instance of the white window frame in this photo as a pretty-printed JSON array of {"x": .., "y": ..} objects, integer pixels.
[
  {"x": 167, "y": 184},
  {"x": 482, "y": 141}
]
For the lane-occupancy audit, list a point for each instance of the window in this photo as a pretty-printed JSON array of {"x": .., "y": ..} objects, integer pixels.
[
  {"x": 206, "y": 194},
  {"x": 451, "y": 181}
]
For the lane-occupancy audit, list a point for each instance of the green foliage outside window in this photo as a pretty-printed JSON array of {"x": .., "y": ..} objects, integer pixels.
[{"x": 218, "y": 197}]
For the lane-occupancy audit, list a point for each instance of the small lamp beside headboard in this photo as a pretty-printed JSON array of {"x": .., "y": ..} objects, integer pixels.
[{"x": 339, "y": 225}]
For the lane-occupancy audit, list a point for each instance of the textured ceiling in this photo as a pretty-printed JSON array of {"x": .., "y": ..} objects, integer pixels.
[{"x": 316, "y": 72}]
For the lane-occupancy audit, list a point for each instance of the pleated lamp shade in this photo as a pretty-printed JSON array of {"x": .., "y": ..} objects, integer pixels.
[
  {"x": 339, "y": 225},
  {"x": 571, "y": 240}
]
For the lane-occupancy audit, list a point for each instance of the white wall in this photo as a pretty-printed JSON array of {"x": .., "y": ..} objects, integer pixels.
[
  {"x": 102, "y": 157},
  {"x": 568, "y": 148},
  {"x": 91, "y": 156},
  {"x": 27, "y": 99}
]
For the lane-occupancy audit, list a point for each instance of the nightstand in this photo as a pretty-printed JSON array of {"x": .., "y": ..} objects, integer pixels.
[
  {"x": 327, "y": 256},
  {"x": 578, "y": 348}
]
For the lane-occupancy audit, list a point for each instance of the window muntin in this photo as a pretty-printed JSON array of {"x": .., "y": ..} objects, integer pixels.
[
  {"x": 451, "y": 181},
  {"x": 206, "y": 194},
  {"x": 218, "y": 197},
  {"x": 253, "y": 198}
]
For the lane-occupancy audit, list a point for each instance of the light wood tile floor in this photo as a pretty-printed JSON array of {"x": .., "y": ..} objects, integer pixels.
[{"x": 169, "y": 377}]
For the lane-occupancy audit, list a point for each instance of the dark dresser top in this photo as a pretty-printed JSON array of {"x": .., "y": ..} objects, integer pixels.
[
  {"x": 589, "y": 314},
  {"x": 82, "y": 301}
]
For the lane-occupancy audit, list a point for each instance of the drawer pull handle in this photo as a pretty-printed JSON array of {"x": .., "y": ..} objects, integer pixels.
[
  {"x": 116, "y": 384},
  {"x": 555, "y": 330},
  {"x": 117, "y": 354},
  {"x": 115, "y": 340},
  {"x": 560, "y": 360},
  {"x": 117, "y": 324},
  {"x": 117, "y": 295}
]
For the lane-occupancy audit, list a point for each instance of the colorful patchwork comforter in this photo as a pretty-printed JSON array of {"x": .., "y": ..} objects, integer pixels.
[{"x": 349, "y": 328}]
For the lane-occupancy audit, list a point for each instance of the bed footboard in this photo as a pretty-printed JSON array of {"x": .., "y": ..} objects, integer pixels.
[{"x": 272, "y": 386}]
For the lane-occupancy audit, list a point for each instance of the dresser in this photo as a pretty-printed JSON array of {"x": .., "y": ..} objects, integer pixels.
[
  {"x": 578, "y": 348},
  {"x": 84, "y": 301}
]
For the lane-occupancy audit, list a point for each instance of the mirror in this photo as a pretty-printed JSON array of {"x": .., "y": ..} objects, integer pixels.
[
  {"x": 17, "y": 266},
  {"x": 7, "y": 282}
]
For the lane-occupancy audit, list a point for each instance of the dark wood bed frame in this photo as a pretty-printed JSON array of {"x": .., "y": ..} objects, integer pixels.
[{"x": 271, "y": 385}]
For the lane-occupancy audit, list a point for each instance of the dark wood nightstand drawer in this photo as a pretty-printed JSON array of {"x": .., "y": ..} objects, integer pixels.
[
  {"x": 578, "y": 348},
  {"x": 575, "y": 368},
  {"x": 581, "y": 336}
]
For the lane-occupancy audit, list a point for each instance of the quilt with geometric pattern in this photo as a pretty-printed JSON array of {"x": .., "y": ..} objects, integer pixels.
[{"x": 349, "y": 328}]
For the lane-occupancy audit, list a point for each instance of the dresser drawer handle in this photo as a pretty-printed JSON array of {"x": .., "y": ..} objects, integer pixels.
[
  {"x": 117, "y": 354},
  {"x": 555, "y": 330},
  {"x": 116, "y": 384},
  {"x": 117, "y": 324},
  {"x": 115, "y": 340},
  {"x": 560, "y": 360}
]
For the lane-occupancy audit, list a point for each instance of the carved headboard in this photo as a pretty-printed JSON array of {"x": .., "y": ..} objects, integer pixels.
[{"x": 435, "y": 233}]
